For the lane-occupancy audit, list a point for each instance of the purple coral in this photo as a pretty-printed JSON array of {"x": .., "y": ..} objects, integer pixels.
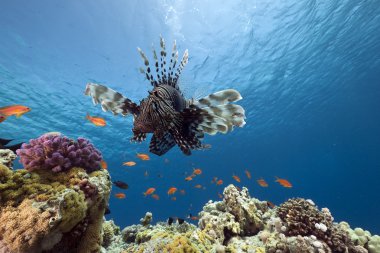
[{"x": 59, "y": 153}]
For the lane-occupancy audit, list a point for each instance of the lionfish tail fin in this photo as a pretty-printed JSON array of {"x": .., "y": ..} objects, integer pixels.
[
  {"x": 164, "y": 75},
  {"x": 217, "y": 114},
  {"x": 110, "y": 100}
]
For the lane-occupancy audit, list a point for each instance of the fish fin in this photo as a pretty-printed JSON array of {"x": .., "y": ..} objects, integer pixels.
[
  {"x": 2, "y": 118},
  {"x": 184, "y": 130},
  {"x": 147, "y": 71},
  {"x": 14, "y": 147},
  {"x": 161, "y": 145},
  {"x": 164, "y": 76},
  {"x": 173, "y": 63},
  {"x": 4, "y": 141},
  {"x": 218, "y": 115},
  {"x": 218, "y": 98},
  {"x": 163, "y": 61},
  {"x": 138, "y": 137},
  {"x": 111, "y": 100},
  {"x": 184, "y": 61}
]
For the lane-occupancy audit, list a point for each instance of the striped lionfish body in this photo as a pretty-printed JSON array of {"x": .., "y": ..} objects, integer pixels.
[{"x": 173, "y": 119}]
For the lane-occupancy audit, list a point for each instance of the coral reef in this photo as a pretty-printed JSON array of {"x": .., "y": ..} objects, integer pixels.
[
  {"x": 147, "y": 219},
  {"x": 7, "y": 157},
  {"x": 59, "y": 153},
  {"x": 176, "y": 238},
  {"x": 45, "y": 211},
  {"x": 240, "y": 223}
]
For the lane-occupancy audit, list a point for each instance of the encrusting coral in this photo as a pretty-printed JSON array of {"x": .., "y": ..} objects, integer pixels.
[
  {"x": 59, "y": 153},
  {"x": 47, "y": 211}
]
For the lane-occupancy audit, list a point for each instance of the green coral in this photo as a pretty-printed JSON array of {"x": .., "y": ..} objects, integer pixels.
[{"x": 16, "y": 185}]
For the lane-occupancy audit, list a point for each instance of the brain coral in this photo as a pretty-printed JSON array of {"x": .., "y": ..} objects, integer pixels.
[{"x": 59, "y": 153}]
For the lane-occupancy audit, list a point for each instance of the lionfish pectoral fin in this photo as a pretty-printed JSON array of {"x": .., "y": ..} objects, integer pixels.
[
  {"x": 111, "y": 100},
  {"x": 218, "y": 112},
  {"x": 161, "y": 145},
  {"x": 138, "y": 137}
]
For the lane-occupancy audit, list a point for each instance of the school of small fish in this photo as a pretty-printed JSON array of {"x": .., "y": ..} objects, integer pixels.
[{"x": 19, "y": 110}]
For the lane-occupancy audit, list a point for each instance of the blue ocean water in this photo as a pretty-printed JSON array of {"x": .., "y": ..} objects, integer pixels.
[{"x": 308, "y": 72}]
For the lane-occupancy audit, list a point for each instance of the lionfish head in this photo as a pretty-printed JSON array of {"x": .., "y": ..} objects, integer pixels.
[{"x": 144, "y": 122}]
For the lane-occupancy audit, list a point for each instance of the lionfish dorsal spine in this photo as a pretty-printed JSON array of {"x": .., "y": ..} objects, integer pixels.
[
  {"x": 163, "y": 60},
  {"x": 157, "y": 66},
  {"x": 183, "y": 63},
  {"x": 164, "y": 75},
  {"x": 147, "y": 71},
  {"x": 173, "y": 62}
]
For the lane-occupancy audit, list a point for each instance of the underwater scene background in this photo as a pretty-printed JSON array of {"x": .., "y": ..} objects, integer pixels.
[{"x": 308, "y": 72}]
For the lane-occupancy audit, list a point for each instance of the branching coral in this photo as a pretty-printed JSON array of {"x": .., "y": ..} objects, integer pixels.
[{"x": 59, "y": 153}]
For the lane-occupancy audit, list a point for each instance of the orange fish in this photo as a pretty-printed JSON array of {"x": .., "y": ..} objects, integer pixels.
[
  {"x": 197, "y": 171},
  {"x": 220, "y": 195},
  {"x": 285, "y": 183},
  {"x": 248, "y": 174},
  {"x": 219, "y": 182},
  {"x": 97, "y": 121},
  {"x": 156, "y": 197},
  {"x": 120, "y": 195},
  {"x": 130, "y": 163},
  {"x": 198, "y": 186},
  {"x": 149, "y": 191},
  {"x": 172, "y": 190},
  {"x": 191, "y": 217},
  {"x": 262, "y": 182},
  {"x": 189, "y": 178},
  {"x": 236, "y": 178},
  {"x": 143, "y": 157},
  {"x": 174, "y": 198},
  {"x": 103, "y": 164},
  {"x": 17, "y": 110},
  {"x": 182, "y": 192}
]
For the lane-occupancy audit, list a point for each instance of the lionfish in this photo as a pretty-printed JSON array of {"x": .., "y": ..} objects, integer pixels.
[{"x": 166, "y": 112}]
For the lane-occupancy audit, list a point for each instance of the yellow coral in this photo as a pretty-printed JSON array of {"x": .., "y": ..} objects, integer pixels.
[{"x": 43, "y": 204}]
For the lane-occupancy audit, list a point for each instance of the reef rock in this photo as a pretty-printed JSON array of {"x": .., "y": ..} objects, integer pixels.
[
  {"x": 7, "y": 157},
  {"x": 46, "y": 211},
  {"x": 237, "y": 214}
]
